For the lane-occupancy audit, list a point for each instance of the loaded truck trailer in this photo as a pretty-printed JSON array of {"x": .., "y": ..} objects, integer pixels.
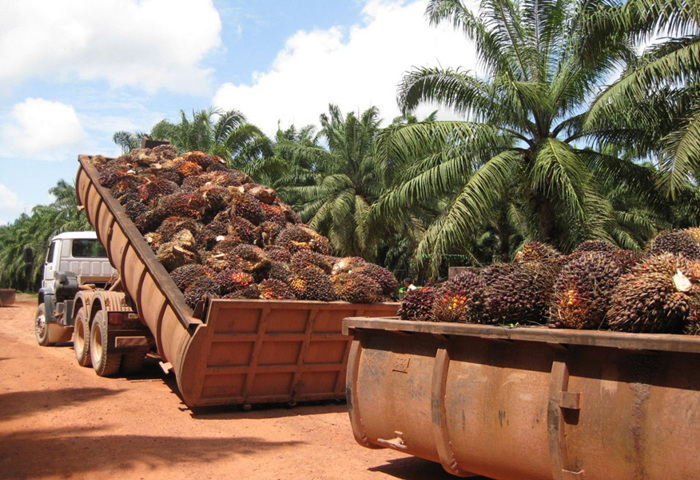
[
  {"x": 234, "y": 352},
  {"x": 527, "y": 403}
]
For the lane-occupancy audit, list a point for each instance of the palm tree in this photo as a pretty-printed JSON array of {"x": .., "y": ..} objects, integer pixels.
[
  {"x": 347, "y": 179},
  {"x": 33, "y": 232},
  {"x": 289, "y": 165},
  {"x": 521, "y": 165},
  {"x": 654, "y": 107},
  {"x": 227, "y": 134},
  {"x": 127, "y": 140}
]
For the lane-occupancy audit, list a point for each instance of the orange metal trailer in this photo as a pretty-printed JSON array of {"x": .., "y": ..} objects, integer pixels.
[
  {"x": 240, "y": 352},
  {"x": 527, "y": 403}
]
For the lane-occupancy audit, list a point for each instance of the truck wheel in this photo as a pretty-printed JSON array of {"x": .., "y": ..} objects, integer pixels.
[
  {"x": 41, "y": 326},
  {"x": 133, "y": 362},
  {"x": 81, "y": 338},
  {"x": 49, "y": 333},
  {"x": 105, "y": 363}
]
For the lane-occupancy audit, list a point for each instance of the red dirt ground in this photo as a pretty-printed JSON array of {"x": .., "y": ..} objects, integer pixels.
[{"x": 58, "y": 421}]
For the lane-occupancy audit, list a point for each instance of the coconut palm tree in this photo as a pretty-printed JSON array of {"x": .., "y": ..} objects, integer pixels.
[
  {"x": 521, "y": 163},
  {"x": 654, "y": 107}
]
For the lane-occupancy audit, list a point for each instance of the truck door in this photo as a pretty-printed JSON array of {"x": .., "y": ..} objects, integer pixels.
[{"x": 52, "y": 256}]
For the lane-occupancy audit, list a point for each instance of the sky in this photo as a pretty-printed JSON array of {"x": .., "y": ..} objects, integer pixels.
[{"x": 74, "y": 72}]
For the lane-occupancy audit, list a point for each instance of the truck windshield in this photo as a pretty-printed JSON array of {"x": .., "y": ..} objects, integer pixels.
[{"x": 88, "y": 249}]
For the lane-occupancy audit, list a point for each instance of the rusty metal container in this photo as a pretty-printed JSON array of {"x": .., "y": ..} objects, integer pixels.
[
  {"x": 527, "y": 403},
  {"x": 243, "y": 351},
  {"x": 7, "y": 297}
]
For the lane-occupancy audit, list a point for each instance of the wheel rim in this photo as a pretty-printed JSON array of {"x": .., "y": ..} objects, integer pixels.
[
  {"x": 79, "y": 339},
  {"x": 40, "y": 326},
  {"x": 96, "y": 343}
]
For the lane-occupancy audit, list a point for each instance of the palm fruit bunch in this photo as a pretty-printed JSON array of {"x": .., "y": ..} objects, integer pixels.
[
  {"x": 682, "y": 242},
  {"x": 219, "y": 233},
  {"x": 355, "y": 287},
  {"x": 461, "y": 299},
  {"x": 659, "y": 295},
  {"x": 232, "y": 280},
  {"x": 312, "y": 283},
  {"x": 538, "y": 252},
  {"x": 273, "y": 289},
  {"x": 517, "y": 293},
  {"x": 542, "y": 257},
  {"x": 301, "y": 237},
  {"x": 386, "y": 280},
  {"x": 418, "y": 304},
  {"x": 595, "y": 246},
  {"x": 584, "y": 286},
  {"x": 200, "y": 288},
  {"x": 185, "y": 275},
  {"x": 306, "y": 258}
]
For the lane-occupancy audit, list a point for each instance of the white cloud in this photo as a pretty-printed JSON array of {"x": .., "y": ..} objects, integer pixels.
[
  {"x": 41, "y": 129},
  {"x": 10, "y": 205},
  {"x": 355, "y": 69},
  {"x": 149, "y": 44}
]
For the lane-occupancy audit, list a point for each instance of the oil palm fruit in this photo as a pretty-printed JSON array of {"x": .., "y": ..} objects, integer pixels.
[
  {"x": 273, "y": 289},
  {"x": 199, "y": 289},
  {"x": 355, "y": 287},
  {"x": 461, "y": 299},
  {"x": 682, "y": 242},
  {"x": 655, "y": 296},
  {"x": 312, "y": 283},
  {"x": 517, "y": 293},
  {"x": 418, "y": 304},
  {"x": 595, "y": 246},
  {"x": 583, "y": 289}
]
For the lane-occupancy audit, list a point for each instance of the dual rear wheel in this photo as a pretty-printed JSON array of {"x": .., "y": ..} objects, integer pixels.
[{"x": 90, "y": 343}]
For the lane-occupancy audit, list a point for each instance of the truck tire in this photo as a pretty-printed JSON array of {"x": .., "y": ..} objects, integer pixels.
[
  {"x": 81, "y": 338},
  {"x": 41, "y": 326},
  {"x": 133, "y": 362},
  {"x": 105, "y": 363},
  {"x": 46, "y": 333}
]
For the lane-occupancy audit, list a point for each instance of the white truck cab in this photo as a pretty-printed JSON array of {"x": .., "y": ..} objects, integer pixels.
[{"x": 74, "y": 261}]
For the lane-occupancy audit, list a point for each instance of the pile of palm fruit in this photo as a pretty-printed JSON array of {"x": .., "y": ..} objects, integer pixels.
[
  {"x": 219, "y": 234},
  {"x": 597, "y": 286}
]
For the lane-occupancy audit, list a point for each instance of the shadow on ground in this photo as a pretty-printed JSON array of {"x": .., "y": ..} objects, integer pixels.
[
  {"x": 271, "y": 410},
  {"x": 87, "y": 450},
  {"x": 19, "y": 404},
  {"x": 414, "y": 468}
]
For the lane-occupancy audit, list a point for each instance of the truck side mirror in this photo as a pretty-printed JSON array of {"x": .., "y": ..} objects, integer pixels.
[{"x": 28, "y": 255}]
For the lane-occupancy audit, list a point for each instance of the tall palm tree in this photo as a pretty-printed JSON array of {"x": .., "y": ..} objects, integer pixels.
[
  {"x": 654, "y": 107},
  {"x": 521, "y": 163},
  {"x": 227, "y": 134},
  {"x": 347, "y": 180}
]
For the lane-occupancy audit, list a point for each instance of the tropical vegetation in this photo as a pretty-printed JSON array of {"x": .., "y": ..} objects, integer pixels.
[
  {"x": 23, "y": 243},
  {"x": 582, "y": 122}
]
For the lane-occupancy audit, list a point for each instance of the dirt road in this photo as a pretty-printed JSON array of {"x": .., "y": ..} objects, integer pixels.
[{"x": 60, "y": 421}]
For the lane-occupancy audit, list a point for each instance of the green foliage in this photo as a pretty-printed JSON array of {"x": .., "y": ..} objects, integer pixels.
[
  {"x": 226, "y": 134},
  {"x": 654, "y": 107},
  {"x": 341, "y": 181},
  {"x": 521, "y": 166},
  {"x": 32, "y": 233}
]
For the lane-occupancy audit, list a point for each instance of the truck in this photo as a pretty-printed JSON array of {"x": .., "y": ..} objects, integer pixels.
[
  {"x": 232, "y": 352},
  {"x": 527, "y": 403},
  {"x": 74, "y": 261}
]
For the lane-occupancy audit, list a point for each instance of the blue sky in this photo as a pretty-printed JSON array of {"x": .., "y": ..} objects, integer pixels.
[{"x": 76, "y": 71}]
